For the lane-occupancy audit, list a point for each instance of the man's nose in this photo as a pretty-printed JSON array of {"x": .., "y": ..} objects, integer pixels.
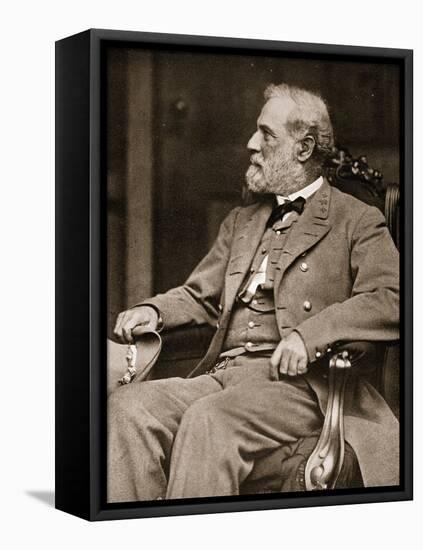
[{"x": 254, "y": 143}]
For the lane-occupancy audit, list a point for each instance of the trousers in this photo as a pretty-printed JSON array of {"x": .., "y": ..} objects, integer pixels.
[{"x": 200, "y": 437}]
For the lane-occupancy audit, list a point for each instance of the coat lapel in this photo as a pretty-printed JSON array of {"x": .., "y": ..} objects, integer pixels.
[
  {"x": 309, "y": 229},
  {"x": 245, "y": 244}
]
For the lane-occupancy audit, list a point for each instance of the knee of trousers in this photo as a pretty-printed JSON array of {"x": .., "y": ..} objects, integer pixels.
[
  {"x": 205, "y": 418},
  {"x": 207, "y": 433}
]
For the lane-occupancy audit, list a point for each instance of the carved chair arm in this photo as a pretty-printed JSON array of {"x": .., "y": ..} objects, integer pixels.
[{"x": 325, "y": 462}]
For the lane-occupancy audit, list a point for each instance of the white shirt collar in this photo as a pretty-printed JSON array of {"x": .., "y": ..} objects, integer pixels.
[{"x": 304, "y": 192}]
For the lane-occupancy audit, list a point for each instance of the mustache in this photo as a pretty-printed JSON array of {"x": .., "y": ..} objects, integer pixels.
[{"x": 257, "y": 160}]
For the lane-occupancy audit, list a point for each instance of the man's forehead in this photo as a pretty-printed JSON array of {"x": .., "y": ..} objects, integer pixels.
[{"x": 275, "y": 112}]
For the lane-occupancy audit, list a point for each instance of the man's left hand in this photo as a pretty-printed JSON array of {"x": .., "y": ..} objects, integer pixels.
[{"x": 290, "y": 356}]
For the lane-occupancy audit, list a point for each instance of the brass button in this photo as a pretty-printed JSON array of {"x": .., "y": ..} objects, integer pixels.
[
  {"x": 304, "y": 267},
  {"x": 251, "y": 324},
  {"x": 263, "y": 250},
  {"x": 218, "y": 325},
  {"x": 278, "y": 232},
  {"x": 255, "y": 302},
  {"x": 249, "y": 345},
  {"x": 307, "y": 305},
  {"x": 318, "y": 354},
  {"x": 220, "y": 307}
]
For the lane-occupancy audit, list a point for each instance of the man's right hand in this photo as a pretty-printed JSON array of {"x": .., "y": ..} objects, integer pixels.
[{"x": 145, "y": 317}]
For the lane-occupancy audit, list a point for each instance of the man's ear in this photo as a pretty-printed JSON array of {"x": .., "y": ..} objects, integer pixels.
[{"x": 305, "y": 148}]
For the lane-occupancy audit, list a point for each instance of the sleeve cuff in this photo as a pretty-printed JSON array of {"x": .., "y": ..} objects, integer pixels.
[{"x": 314, "y": 352}]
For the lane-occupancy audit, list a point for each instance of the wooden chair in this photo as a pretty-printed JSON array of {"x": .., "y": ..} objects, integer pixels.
[{"x": 323, "y": 464}]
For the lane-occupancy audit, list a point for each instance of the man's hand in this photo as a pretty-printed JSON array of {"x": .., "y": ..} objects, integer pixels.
[
  {"x": 290, "y": 356},
  {"x": 142, "y": 316}
]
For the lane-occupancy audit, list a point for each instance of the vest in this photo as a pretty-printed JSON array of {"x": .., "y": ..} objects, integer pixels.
[{"x": 253, "y": 327}]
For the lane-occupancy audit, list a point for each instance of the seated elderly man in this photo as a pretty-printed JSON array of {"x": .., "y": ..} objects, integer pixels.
[{"x": 302, "y": 268}]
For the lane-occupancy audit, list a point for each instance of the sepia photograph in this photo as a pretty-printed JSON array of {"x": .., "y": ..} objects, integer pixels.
[
  {"x": 253, "y": 273},
  {"x": 208, "y": 217}
]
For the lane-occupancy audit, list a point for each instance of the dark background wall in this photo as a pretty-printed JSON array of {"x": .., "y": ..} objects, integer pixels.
[{"x": 178, "y": 125}]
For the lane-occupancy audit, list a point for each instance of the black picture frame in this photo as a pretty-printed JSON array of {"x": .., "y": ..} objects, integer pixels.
[{"x": 81, "y": 285}]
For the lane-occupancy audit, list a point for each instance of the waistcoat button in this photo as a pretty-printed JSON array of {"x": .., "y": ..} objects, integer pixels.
[
  {"x": 251, "y": 324},
  {"x": 304, "y": 267}
]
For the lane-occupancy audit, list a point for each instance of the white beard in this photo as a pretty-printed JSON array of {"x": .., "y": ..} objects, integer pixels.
[{"x": 277, "y": 175}]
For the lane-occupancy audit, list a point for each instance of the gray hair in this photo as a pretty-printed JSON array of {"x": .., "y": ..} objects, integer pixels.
[{"x": 309, "y": 117}]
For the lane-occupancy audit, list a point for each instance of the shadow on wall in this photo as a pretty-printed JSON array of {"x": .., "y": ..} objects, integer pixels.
[{"x": 46, "y": 497}]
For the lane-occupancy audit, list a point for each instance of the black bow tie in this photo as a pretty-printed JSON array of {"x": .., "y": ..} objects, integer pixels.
[{"x": 288, "y": 206}]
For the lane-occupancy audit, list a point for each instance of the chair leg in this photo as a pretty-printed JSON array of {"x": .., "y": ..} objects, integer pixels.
[{"x": 325, "y": 462}]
